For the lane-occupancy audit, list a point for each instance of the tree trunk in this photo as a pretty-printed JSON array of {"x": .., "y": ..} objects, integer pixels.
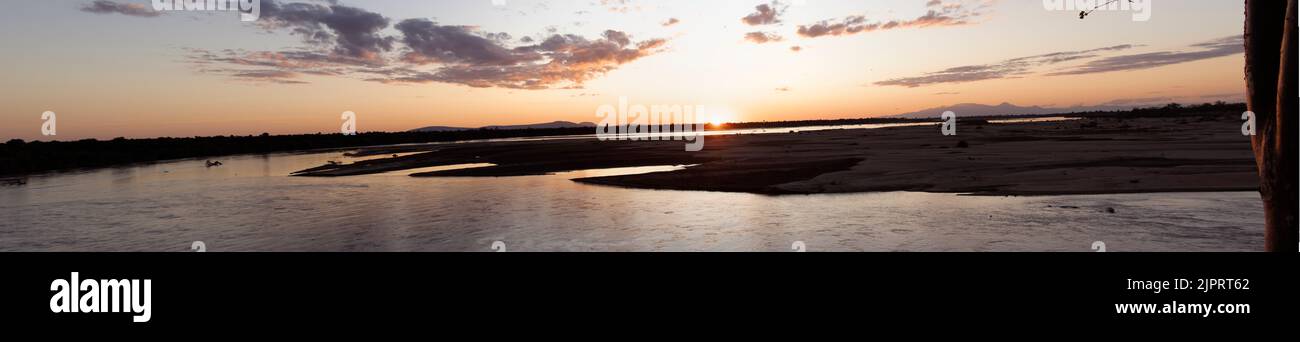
[{"x": 1271, "y": 80}]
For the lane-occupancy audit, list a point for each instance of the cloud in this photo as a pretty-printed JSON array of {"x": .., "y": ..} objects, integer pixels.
[
  {"x": 762, "y": 37},
  {"x": 432, "y": 43},
  {"x": 467, "y": 58},
  {"x": 1221, "y": 47},
  {"x": 349, "y": 42},
  {"x": 671, "y": 22},
  {"x": 272, "y": 76},
  {"x": 111, "y": 7},
  {"x": 299, "y": 60},
  {"x": 765, "y": 14},
  {"x": 848, "y": 25},
  {"x": 938, "y": 14},
  {"x": 1014, "y": 67},
  {"x": 347, "y": 31},
  {"x": 618, "y": 37},
  {"x": 796, "y": 48},
  {"x": 275, "y": 66},
  {"x": 619, "y": 6}
]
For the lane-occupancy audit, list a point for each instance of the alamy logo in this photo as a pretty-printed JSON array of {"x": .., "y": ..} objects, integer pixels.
[
  {"x": 1141, "y": 8},
  {"x": 249, "y": 10},
  {"x": 50, "y": 127},
  {"x": 99, "y": 296},
  {"x": 1248, "y": 127},
  {"x": 656, "y": 122},
  {"x": 949, "y": 126},
  {"x": 349, "y": 126}
]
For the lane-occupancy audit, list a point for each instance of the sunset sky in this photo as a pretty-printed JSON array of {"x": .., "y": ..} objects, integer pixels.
[{"x": 117, "y": 68}]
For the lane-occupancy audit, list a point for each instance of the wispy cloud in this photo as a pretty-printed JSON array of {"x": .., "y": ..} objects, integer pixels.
[
  {"x": 938, "y": 14},
  {"x": 1014, "y": 67},
  {"x": 283, "y": 67},
  {"x": 274, "y": 76},
  {"x": 1222, "y": 47},
  {"x": 113, "y": 7}
]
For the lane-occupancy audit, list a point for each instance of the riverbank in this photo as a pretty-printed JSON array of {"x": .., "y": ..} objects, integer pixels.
[{"x": 1096, "y": 155}]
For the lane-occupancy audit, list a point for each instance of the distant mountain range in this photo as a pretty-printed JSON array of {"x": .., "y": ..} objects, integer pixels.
[
  {"x": 963, "y": 110},
  {"x": 556, "y": 124},
  {"x": 975, "y": 109}
]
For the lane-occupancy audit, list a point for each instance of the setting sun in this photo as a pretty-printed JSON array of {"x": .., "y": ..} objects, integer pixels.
[{"x": 718, "y": 116}]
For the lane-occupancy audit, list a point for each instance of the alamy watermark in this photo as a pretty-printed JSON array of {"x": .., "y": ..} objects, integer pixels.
[
  {"x": 75, "y": 295},
  {"x": 50, "y": 125},
  {"x": 656, "y": 122},
  {"x": 1141, "y": 8},
  {"x": 949, "y": 126},
  {"x": 249, "y": 10},
  {"x": 349, "y": 126},
  {"x": 1248, "y": 126}
]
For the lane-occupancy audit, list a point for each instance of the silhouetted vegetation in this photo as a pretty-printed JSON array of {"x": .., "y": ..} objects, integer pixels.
[
  {"x": 810, "y": 123},
  {"x": 20, "y": 157},
  {"x": 1175, "y": 110}
]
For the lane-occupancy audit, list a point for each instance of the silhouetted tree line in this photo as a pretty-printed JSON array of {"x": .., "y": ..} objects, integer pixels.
[
  {"x": 21, "y": 157},
  {"x": 810, "y": 123},
  {"x": 1175, "y": 109}
]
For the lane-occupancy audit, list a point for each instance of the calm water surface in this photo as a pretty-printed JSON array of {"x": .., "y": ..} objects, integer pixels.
[{"x": 250, "y": 204}]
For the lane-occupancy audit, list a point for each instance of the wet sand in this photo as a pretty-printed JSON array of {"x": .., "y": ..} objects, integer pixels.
[{"x": 1086, "y": 156}]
